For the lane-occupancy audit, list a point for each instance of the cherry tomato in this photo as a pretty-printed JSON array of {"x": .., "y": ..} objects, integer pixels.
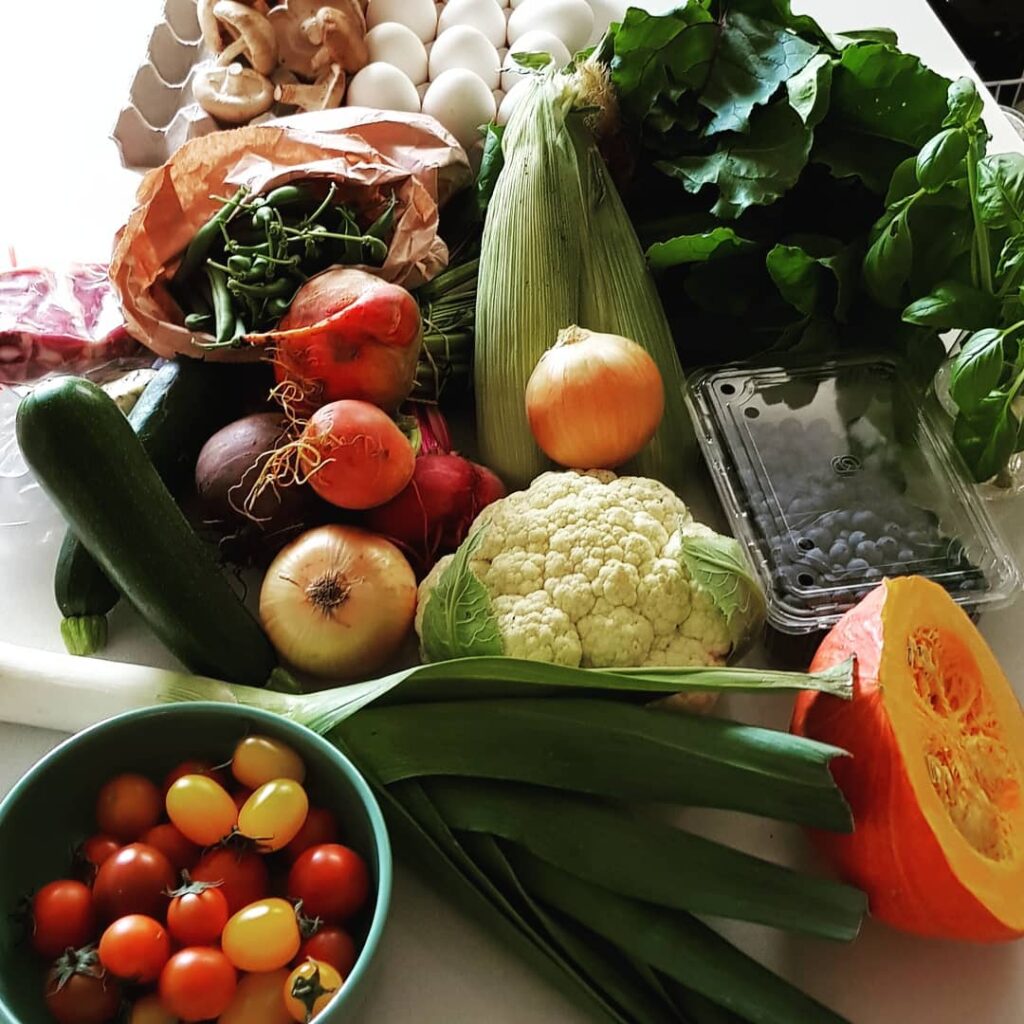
[
  {"x": 331, "y": 881},
  {"x": 63, "y": 916},
  {"x": 78, "y": 991},
  {"x": 192, "y": 768},
  {"x": 274, "y": 814},
  {"x": 243, "y": 876},
  {"x": 201, "y": 809},
  {"x": 331, "y": 945},
  {"x": 149, "y": 1010},
  {"x": 321, "y": 827},
  {"x": 127, "y": 806},
  {"x": 198, "y": 983},
  {"x": 183, "y": 854},
  {"x": 135, "y": 948},
  {"x": 93, "y": 852},
  {"x": 262, "y": 936},
  {"x": 309, "y": 988},
  {"x": 197, "y": 914},
  {"x": 261, "y": 759},
  {"x": 134, "y": 881},
  {"x": 258, "y": 1000}
]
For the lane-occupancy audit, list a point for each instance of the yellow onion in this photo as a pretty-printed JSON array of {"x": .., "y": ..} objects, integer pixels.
[
  {"x": 338, "y": 601},
  {"x": 594, "y": 400}
]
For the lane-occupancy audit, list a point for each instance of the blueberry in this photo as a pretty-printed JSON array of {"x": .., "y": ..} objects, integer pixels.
[
  {"x": 843, "y": 518},
  {"x": 839, "y": 552},
  {"x": 856, "y": 537},
  {"x": 866, "y": 521},
  {"x": 815, "y": 558},
  {"x": 858, "y": 565},
  {"x": 888, "y": 547},
  {"x": 873, "y": 574},
  {"x": 822, "y": 538},
  {"x": 868, "y": 550},
  {"x": 905, "y": 555},
  {"x": 893, "y": 530},
  {"x": 843, "y": 535}
]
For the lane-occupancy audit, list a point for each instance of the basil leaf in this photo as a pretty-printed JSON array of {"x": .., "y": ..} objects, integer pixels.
[
  {"x": 752, "y": 59},
  {"x": 904, "y": 182},
  {"x": 531, "y": 60},
  {"x": 750, "y": 170},
  {"x": 853, "y": 154},
  {"x": 953, "y": 304},
  {"x": 809, "y": 90},
  {"x": 976, "y": 370},
  {"x": 718, "y": 565},
  {"x": 458, "y": 621},
  {"x": 1001, "y": 190},
  {"x": 710, "y": 245},
  {"x": 889, "y": 261},
  {"x": 491, "y": 164},
  {"x": 1011, "y": 258},
  {"x": 942, "y": 159},
  {"x": 814, "y": 276},
  {"x": 965, "y": 104},
  {"x": 987, "y": 437}
]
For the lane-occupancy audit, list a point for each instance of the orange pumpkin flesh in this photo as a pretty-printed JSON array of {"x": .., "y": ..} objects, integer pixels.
[{"x": 936, "y": 776}]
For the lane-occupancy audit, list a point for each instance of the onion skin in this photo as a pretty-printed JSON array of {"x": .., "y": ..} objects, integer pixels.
[
  {"x": 594, "y": 400},
  {"x": 432, "y": 515},
  {"x": 337, "y": 601},
  {"x": 348, "y": 334},
  {"x": 355, "y": 456}
]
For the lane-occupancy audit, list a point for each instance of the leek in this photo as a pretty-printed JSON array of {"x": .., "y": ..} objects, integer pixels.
[
  {"x": 503, "y": 776},
  {"x": 558, "y": 249}
]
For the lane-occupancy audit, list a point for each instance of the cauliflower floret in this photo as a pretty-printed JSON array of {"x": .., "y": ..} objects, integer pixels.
[{"x": 589, "y": 569}]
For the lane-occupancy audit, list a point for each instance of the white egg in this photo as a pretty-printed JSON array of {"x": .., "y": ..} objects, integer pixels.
[
  {"x": 534, "y": 41},
  {"x": 571, "y": 20},
  {"x": 605, "y": 12},
  {"x": 382, "y": 86},
  {"x": 461, "y": 102},
  {"x": 512, "y": 100},
  {"x": 484, "y": 15},
  {"x": 465, "y": 47},
  {"x": 398, "y": 45},
  {"x": 419, "y": 15}
]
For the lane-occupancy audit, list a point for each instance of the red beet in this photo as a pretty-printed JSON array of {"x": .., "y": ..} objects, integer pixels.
[{"x": 432, "y": 516}]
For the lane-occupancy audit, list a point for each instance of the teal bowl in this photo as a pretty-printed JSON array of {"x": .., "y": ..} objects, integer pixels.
[{"x": 50, "y": 810}]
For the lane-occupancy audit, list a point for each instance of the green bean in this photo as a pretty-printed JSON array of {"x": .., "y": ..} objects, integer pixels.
[
  {"x": 270, "y": 290},
  {"x": 224, "y": 316},
  {"x": 203, "y": 240},
  {"x": 286, "y": 195},
  {"x": 381, "y": 227},
  {"x": 240, "y": 265},
  {"x": 278, "y": 307},
  {"x": 198, "y": 321}
]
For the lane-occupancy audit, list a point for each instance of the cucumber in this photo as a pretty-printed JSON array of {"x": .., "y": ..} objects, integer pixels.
[
  {"x": 94, "y": 468},
  {"x": 180, "y": 408}
]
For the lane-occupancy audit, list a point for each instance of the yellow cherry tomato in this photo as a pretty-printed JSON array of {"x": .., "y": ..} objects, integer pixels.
[
  {"x": 200, "y": 809},
  {"x": 258, "y": 999},
  {"x": 309, "y": 988},
  {"x": 262, "y": 936},
  {"x": 149, "y": 1010},
  {"x": 274, "y": 814},
  {"x": 261, "y": 759}
]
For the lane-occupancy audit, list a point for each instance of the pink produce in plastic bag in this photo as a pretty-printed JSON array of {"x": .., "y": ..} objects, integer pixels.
[{"x": 58, "y": 320}]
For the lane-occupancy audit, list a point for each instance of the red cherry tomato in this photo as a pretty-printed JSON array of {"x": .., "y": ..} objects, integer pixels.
[
  {"x": 135, "y": 880},
  {"x": 93, "y": 852},
  {"x": 182, "y": 853},
  {"x": 63, "y": 916},
  {"x": 193, "y": 768},
  {"x": 331, "y": 881},
  {"x": 127, "y": 806},
  {"x": 198, "y": 983},
  {"x": 78, "y": 991},
  {"x": 197, "y": 914},
  {"x": 330, "y": 945},
  {"x": 149, "y": 1010},
  {"x": 135, "y": 948},
  {"x": 243, "y": 876},
  {"x": 321, "y": 826}
]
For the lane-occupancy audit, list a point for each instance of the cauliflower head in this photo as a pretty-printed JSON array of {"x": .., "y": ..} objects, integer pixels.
[{"x": 594, "y": 570}]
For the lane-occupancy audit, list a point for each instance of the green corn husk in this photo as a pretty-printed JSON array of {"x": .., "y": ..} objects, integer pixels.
[{"x": 558, "y": 249}]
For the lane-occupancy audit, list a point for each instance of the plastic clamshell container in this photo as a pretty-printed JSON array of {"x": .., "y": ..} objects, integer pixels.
[{"x": 835, "y": 475}]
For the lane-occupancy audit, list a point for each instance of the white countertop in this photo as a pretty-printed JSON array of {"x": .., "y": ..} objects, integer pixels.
[{"x": 62, "y": 194}]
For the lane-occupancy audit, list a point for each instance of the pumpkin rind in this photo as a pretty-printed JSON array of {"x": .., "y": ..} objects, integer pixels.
[{"x": 936, "y": 736}]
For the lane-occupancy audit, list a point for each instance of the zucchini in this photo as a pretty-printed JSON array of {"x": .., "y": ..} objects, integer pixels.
[
  {"x": 180, "y": 408},
  {"x": 94, "y": 468}
]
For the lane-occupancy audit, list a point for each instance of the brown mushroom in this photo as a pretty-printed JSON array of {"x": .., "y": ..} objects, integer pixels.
[
  {"x": 326, "y": 92},
  {"x": 341, "y": 36},
  {"x": 232, "y": 94},
  {"x": 251, "y": 33},
  {"x": 315, "y": 33}
]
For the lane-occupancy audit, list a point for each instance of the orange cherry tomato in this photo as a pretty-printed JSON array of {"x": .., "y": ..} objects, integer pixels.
[
  {"x": 127, "y": 806},
  {"x": 201, "y": 809},
  {"x": 274, "y": 814},
  {"x": 261, "y": 759},
  {"x": 259, "y": 1000},
  {"x": 198, "y": 983},
  {"x": 149, "y": 1010},
  {"x": 183, "y": 854},
  {"x": 309, "y": 988},
  {"x": 262, "y": 936},
  {"x": 135, "y": 948},
  {"x": 193, "y": 768}
]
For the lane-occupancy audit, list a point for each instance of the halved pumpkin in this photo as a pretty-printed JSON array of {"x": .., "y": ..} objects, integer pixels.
[{"x": 936, "y": 776}]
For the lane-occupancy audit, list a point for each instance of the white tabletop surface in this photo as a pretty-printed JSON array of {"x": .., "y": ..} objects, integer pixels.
[{"x": 62, "y": 194}]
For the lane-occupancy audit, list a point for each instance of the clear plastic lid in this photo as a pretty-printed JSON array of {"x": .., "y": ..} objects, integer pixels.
[{"x": 835, "y": 475}]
